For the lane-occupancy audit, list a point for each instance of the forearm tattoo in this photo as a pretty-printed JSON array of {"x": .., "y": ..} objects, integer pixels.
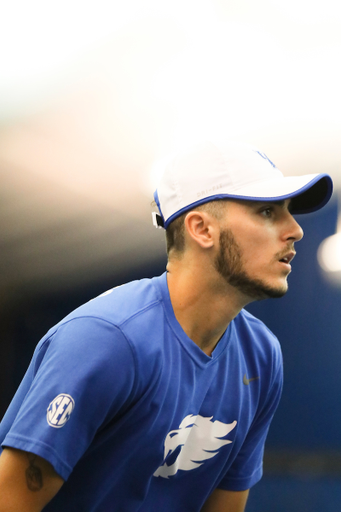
[{"x": 34, "y": 477}]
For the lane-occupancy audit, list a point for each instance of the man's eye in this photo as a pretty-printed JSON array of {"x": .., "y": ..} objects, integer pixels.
[{"x": 266, "y": 212}]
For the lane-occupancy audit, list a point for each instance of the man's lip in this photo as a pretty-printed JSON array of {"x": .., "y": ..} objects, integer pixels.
[{"x": 288, "y": 257}]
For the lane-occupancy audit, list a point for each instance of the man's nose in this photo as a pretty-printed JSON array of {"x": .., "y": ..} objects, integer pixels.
[{"x": 295, "y": 232}]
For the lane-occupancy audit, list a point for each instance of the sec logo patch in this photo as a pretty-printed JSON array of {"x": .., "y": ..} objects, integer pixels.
[{"x": 59, "y": 410}]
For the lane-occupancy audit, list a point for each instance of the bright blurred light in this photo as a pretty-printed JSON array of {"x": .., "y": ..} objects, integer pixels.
[
  {"x": 233, "y": 75},
  {"x": 219, "y": 81},
  {"x": 41, "y": 41},
  {"x": 310, "y": 12},
  {"x": 329, "y": 253}
]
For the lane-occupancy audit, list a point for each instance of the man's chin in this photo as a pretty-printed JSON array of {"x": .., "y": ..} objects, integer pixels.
[
  {"x": 256, "y": 289},
  {"x": 274, "y": 293},
  {"x": 269, "y": 292}
]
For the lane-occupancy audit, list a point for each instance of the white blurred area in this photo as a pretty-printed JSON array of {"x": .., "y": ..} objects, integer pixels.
[
  {"x": 329, "y": 255},
  {"x": 94, "y": 94}
]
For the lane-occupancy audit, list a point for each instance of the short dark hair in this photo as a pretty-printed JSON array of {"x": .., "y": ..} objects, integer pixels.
[{"x": 175, "y": 232}]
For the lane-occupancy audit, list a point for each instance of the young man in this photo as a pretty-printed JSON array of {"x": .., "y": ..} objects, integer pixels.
[{"x": 158, "y": 395}]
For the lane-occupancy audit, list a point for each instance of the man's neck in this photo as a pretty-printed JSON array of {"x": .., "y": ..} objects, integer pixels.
[{"x": 202, "y": 306}]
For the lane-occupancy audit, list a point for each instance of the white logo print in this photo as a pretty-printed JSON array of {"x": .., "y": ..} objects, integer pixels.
[
  {"x": 197, "y": 439},
  {"x": 59, "y": 410}
]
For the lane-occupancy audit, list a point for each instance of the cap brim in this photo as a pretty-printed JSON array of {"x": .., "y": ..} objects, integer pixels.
[
  {"x": 313, "y": 197},
  {"x": 308, "y": 193}
]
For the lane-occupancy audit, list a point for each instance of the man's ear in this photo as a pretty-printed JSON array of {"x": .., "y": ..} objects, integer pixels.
[{"x": 200, "y": 228}]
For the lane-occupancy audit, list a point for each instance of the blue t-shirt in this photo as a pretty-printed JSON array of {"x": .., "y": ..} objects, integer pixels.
[{"x": 134, "y": 416}]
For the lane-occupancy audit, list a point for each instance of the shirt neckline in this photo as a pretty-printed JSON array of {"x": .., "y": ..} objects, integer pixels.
[{"x": 187, "y": 343}]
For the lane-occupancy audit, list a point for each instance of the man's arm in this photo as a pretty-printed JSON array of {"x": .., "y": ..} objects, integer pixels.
[
  {"x": 27, "y": 482},
  {"x": 226, "y": 501}
]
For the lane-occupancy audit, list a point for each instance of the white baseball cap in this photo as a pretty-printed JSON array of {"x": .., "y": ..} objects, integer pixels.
[{"x": 209, "y": 171}]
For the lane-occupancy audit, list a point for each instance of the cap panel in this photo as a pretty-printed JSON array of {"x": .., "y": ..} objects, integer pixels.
[
  {"x": 209, "y": 169},
  {"x": 190, "y": 176},
  {"x": 247, "y": 166}
]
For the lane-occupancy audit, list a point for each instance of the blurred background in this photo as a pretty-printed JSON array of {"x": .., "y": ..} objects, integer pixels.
[{"x": 93, "y": 95}]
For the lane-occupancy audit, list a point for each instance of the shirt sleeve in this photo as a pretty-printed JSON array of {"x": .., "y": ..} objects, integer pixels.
[
  {"x": 83, "y": 375},
  {"x": 247, "y": 468}
]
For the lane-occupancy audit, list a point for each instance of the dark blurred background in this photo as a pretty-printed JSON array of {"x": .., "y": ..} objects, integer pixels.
[{"x": 93, "y": 95}]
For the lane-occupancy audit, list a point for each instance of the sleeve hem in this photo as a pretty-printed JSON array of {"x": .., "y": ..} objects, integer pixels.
[
  {"x": 38, "y": 448},
  {"x": 241, "y": 484}
]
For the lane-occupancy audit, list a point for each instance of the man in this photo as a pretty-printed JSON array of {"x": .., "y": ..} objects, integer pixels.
[{"x": 158, "y": 395}]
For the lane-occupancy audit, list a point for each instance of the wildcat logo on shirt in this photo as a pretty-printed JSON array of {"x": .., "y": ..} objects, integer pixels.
[
  {"x": 196, "y": 440},
  {"x": 59, "y": 410}
]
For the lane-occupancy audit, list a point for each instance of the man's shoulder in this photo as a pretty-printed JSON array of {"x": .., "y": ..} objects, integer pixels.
[
  {"x": 117, "y": 305},
  {"x": 122, "y": 312},
  {"x": 247, "y": 323}
]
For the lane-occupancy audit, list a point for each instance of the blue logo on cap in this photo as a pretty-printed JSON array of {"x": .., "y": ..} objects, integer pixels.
[{"x": 263, "y": 155}]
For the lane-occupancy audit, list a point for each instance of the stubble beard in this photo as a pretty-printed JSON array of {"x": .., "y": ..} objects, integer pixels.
[{"x": 229, "y": 264}]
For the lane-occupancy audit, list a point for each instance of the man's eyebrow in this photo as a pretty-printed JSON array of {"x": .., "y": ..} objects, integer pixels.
[
  {"x": 278, "y": 202},
  {"x": 282, "y": 203}
]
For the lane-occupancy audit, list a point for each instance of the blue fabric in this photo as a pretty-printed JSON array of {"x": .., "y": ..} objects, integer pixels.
[{"x": 134, "y": 416}]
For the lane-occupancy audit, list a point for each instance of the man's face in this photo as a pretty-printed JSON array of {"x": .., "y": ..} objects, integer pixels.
[{"x": 256, "y": 247}]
